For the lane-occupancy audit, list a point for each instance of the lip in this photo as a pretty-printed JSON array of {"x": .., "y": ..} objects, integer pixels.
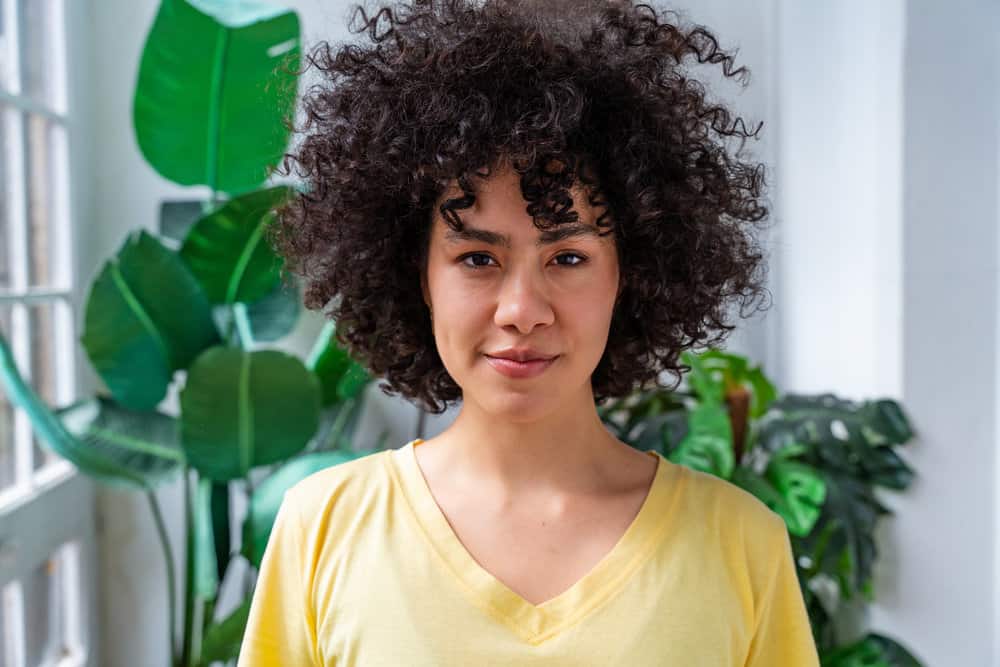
[{"x": 520, "y": 369}]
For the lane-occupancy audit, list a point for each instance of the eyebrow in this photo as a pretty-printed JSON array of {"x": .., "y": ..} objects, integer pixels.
[{"x": 547, "y": 236}]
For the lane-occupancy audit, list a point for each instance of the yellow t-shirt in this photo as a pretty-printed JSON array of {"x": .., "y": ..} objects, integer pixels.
[{"x": 362, "y": 569}]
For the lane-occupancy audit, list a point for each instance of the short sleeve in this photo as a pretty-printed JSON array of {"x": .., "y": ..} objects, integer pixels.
[
  {"x": 782, "y": 633},
  {"x": 281, "y": 627}
]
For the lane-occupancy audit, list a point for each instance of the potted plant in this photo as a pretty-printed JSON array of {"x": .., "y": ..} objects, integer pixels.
[{"x": 814, "y": 460}]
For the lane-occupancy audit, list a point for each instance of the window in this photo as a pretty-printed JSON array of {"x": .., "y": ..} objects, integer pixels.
[{"x": 46, "y": 508}]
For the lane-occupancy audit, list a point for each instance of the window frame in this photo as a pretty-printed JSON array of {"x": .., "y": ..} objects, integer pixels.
[{"x": 56, "y": 496}]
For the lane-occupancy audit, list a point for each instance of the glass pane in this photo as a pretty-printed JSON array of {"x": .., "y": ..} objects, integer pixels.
[
  {"x": 47, "y": 199},
  {"x": 3, "y": 635},
  {"x": 44, "y": 612},
  {"x": 7, "y": 465},
  {"x": 13, "y": 624},
  {"x": 6, "y": 201},
  {"x": 42, "y": 59},
  {"x": 5, "y": 84},
  {"x": 45, "y": 371}
]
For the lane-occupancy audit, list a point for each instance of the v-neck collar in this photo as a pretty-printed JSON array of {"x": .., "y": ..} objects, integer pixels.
[{"x": 536, "y": 623}]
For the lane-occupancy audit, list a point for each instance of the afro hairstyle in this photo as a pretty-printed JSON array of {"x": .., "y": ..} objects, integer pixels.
[{"x": 597, "y": 92}]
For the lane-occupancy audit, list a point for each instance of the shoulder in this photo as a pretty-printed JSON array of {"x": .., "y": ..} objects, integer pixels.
[
  {"x": 726, "y": 505},
  {"x": 344, "y": 484},
  {"x": 721, "y": 518}
]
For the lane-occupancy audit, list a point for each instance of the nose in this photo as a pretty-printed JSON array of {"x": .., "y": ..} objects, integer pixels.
[{"x": 523, "y": 301}]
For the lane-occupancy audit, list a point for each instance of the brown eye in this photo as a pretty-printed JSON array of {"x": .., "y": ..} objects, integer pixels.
[
  {"x": 572, "y": 254},
  {"x": 474, "y": 266}
]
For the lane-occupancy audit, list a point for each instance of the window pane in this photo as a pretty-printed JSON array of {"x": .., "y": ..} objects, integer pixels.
[
  {"x": 3, "y": 635},
  {"x": 5, "y": 79},
  {"x": 44, "y": 603},
  {"x": 47, "y": 198},
  {"x": 42, "y": 52},
  {"x": 47, "y": 373},
  {"x": 7, "y": 118},
  {"x": 7, "y": 465},
  {"x": 13, "y": 623}
]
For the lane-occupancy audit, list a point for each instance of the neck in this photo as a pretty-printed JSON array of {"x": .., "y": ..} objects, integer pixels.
[{"x": 569, "y": 450}]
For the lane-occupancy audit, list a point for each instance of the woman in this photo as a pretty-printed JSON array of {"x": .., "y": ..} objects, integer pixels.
[{"x": 526, "y": 207}]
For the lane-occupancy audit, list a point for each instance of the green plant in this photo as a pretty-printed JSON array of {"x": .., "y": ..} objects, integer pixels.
[
  {"x": 215, "y": 81},
  {"x": 814, "y": 460}
]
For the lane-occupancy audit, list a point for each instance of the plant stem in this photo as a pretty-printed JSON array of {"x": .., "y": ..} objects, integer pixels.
[
  {"x": 168, "y": 555},
  {"x": 189, "y": 570},
  {"x": 243, "y": 328}
]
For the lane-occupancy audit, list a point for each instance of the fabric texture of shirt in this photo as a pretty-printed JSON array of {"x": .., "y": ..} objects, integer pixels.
[{"x": 362, "y": 569}]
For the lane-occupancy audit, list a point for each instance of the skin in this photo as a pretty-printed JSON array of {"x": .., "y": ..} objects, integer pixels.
[{"x": 530, "y": 479}]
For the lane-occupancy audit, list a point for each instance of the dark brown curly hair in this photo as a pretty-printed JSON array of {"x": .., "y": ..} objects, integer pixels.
[{"x": 562, "y": 90}]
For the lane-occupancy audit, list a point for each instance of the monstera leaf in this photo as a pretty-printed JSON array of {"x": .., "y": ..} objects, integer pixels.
[
  {"x": 227, "y": 252},
  {"x": 708, "y": 445},
  {"x": 714, "y": 373},
  {"x": 216, "y": 80},
  {"x": 241, "y": 409},
  {"x": 146, "y": 317},
  {"x": 801, "y": 491}
]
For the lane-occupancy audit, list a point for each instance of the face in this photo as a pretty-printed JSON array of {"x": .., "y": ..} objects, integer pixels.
[{"x": 515, "y": 287}]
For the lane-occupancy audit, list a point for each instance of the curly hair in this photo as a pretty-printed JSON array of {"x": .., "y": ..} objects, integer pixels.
[{"x": 447, "y": 89}]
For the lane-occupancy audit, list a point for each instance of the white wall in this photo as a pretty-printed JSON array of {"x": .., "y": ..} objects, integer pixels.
[
  {"x": 944, "y": 586},
  {"x": 840, "y": 173}
]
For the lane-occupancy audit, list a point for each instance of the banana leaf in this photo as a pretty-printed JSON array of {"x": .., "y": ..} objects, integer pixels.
[
  {"x": 241, "y": 409},
  {"x": 216, "y": 81},
  {"x": 146, "y": 317}
]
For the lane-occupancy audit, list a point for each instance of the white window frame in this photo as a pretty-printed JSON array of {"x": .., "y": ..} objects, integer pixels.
[{"x": 49, "y": 513}]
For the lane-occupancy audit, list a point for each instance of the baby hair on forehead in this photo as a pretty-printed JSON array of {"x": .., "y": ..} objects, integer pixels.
[{"x": 432, "y": 97}]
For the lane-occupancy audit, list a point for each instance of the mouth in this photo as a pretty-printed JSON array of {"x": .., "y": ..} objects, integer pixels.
[{"x": 520, "y": 369}]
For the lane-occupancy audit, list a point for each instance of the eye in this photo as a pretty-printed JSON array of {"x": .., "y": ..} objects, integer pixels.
[
  {"x": 473, "y": 254},
  {"x": 572, "y": 254},
  {"x": 474, "y": 266}
]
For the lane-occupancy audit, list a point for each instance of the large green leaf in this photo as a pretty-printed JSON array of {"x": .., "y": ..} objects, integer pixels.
[
  {"x": 872, "y": 650},
  {"x": 708, "y": 445},
  {"x": 146, "y": 317},
  {"x": 214, "y": 89},
  {"x": 802, "y": 493},
  {"x": 145, "y": 442},
  {"x": 843, "y": 435},
  {"x": 706, "y": 384},
  {"x": 242, "y": 409},
  {"x": 227, "y": 250},
  {"x": 276, "y": 315},
  {"x": 115, "y": 446},
  {"x": 341, "y": 377},
  {"x": 842, "y": 544},
  {"x": 223, "y": 639},
  {"x": 268, "y": 495}
]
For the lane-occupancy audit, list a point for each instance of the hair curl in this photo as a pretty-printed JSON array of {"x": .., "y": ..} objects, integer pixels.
[{"x": 446, "y": 88}]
